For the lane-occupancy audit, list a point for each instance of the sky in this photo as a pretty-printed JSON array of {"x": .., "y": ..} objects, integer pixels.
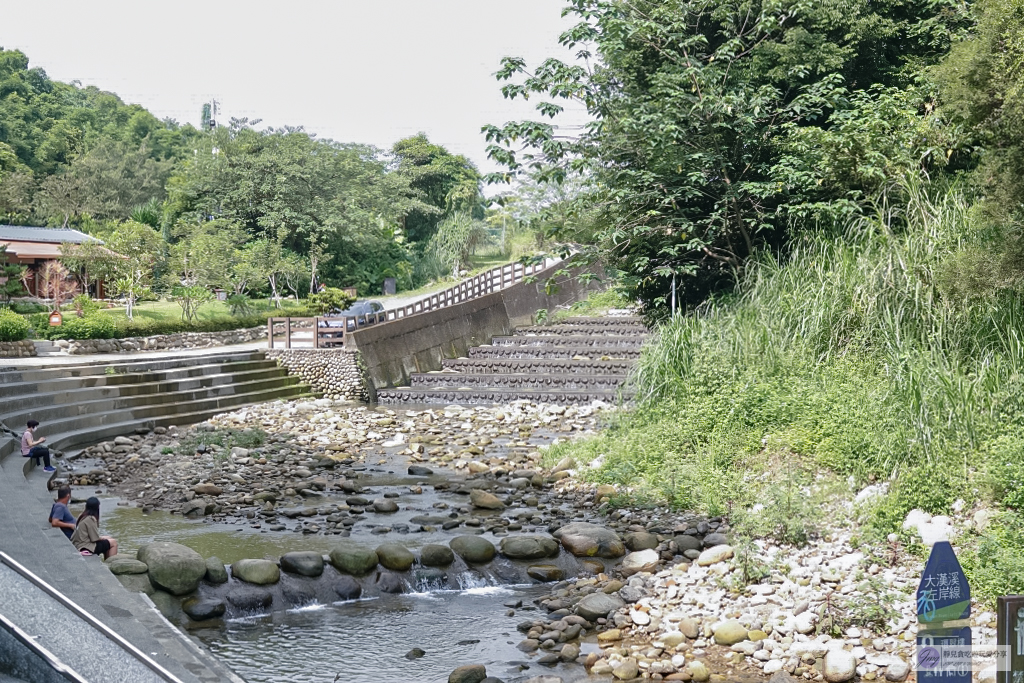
[{"x": 354, "y": 71}]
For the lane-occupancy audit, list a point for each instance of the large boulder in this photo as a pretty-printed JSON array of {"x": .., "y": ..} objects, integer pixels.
[
  {"x": 173, "y": 567},
  {"x": 584, "y": 539},
  {"x": 201, "y": 610},
  {"x": 641, "y": 540},
  {"x": 640, "y": 561},
  {"x": 474, "y": 673},
  {"x": 395, "y": 556},
  {"x": 473, "y": 549},
  {"x": 714, "y": 555},
  {"x": 485, "y": 500},
  {"x": 126, "y": 565},
  {"x": 839, "y": 666},
  {"x": 730, "y": 632},
  {"x": 545, "y": 572},
  {"x": 686, "y": 542},
  {"x": 250, "y": 598},
  {"x": 303, "y": 563},
  {"x": 350, "y": 557},
  {"x": 347, "y": 588},
  {"x": 259, "y": 572},
  {"x": 432, "y": 555},
  {"x": 216, "y": 572},
  {"x": 529, "y": 547},
  {"x": 597, "y": 605}
]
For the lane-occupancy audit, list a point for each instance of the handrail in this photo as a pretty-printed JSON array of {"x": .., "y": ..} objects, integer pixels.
[
  {"x": 328, "y": 335},
  {"x": 51, "y": 659},
  {"x": 89, "y": 619}
]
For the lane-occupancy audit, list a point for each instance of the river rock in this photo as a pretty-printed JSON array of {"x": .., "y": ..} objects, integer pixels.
[
  {"x": 385, "y": 506},
  {"x": 201, "y": 610},
  {"x": 298, "y": 594},
  {"x": 545, "y": 572},
  {"x": 125, "y": 565},
  {"x": 584, "y": 539},
  {"x": 625, "y": 669},
  {"x": 473, "y": 549},
  {"x": 686, "y": 542},
  {"x": 597, "y": 605},
  {"x": 303, "y": 563},
  {"x": 250, "y": 598},
  {"x": 474, "y": 673},
  {"x": 350, "y": 557},
  {"x": 689, "y": 627},
  {"x": 640, "y": 561},
  {"x": 395, "y": 556},
  {"x": 347, "y": 588},
  {"x": 390, "y": 583},
  {"x": 216, "y": 572},
  {"x": 640, "y": 540},
  {"x": 433, "y": 555},
  {"x": 420, "y": 471},
  {"x": 698, "y": 671},
  {"x": 173, "y": 567},
  {"x": 529, "y": 547},
  {"x": 839, "y": 666},
  {"x": 259, "y": 572},
  {"x": 207, "y": 489},
  {"x": 730, "y": 632},
  {"x": 487, "y": 501},
  {"x": 719, "y": 553},
  {"x": 136, "y": 583},
  {"x": 897, "y": 670}
]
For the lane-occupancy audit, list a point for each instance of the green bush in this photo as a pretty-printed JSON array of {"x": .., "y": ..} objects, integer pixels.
[
  {"x": 26, "y": 307},
  {"x": 331, "y": 299},
  {"x": 97, "y": 326},
  {"x": 13, "y": 327},
  {"x": 994, "y": 563}
]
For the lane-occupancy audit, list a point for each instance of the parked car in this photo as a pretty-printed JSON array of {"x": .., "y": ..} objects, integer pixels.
[{"x": 358, "y": 314}]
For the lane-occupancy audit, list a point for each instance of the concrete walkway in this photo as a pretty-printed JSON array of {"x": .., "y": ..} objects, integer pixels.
[
  {"x": 115, "y": 358},
  {"x": 26, "y": 536}
]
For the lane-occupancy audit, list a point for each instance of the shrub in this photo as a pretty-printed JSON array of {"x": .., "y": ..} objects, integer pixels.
[
  {"x": 240, "y": 305},
  {"x": 84, "y": 306},
  {"x": 26, "y": 307},
  {"x": 13, "y": 327},
  {"x": 331, "y": 299},
  {"x": 90, "y": 327}
]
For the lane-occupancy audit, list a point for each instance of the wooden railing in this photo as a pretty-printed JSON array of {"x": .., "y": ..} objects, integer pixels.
[{"x": 331, "y": 330}]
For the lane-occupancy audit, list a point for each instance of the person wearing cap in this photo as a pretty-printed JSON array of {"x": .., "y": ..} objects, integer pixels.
[{"x": 87, "y": 537}]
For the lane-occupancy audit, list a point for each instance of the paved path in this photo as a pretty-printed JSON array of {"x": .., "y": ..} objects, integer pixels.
[{"x": 57, "y": 360}]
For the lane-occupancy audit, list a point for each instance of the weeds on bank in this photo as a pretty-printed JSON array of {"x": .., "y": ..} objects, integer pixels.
[{"x": 225, "y": 439}]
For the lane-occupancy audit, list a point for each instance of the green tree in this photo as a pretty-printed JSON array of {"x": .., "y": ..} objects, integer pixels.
[
  {"x": 694, "y": 104},
  {"x": 142, "y": 251}
]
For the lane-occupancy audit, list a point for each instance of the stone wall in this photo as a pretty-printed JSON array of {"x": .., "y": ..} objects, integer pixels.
[
  {"x": 180, "y": 340},
  {"x": 418, "y": 343},
  {"x": 17, "y": 349},
  {"x": 335, "y": 373}
]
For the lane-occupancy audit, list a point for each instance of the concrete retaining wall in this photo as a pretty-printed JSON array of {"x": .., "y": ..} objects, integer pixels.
[
  {"x": 335, "y": 373},
  {"x": 393, "y": 351},
  {"x": 180, "y": 340}
]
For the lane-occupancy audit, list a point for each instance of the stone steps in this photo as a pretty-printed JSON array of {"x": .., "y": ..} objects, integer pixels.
[
  {"x": 82, "y": 404},
  {"x": 570, "y": 362},
  {"x": 46, "y": 348}
]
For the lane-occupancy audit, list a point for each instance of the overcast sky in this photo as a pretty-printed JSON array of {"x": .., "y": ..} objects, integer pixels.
[{"x": 369, "y": 72}]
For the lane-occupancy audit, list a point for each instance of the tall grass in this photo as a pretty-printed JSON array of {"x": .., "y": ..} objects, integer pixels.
[{"x": 849, "y": 356}]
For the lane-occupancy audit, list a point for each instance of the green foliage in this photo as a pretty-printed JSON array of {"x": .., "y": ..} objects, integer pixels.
[
  {"x": 453, "y": 241},
  {"x": 225, "y": 439},
  {"x": 191, "y": 299},
  {"x": 13, "y": 327},
  {"x": 994, "y": 562},
  {"x": 330, "y": 300},
  {"x": 240, "y": 305},
  {"x": 717, "y": 123},
  {"x": 869, "y": 606},
  {"x": 96, "y": 326},
  {"x": 84, "y": 305}
]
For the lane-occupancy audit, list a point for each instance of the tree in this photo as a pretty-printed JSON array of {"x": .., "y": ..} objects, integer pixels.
[
  {"x": 87, "y": 262},
  {"x": 141, "y": 251},
  {"x": 206, "y": 253},
  {"x": 62, "y": 198},
  {"x": 447, "y": 184},
  {"x": 453, "y": 240},
  {"x": 54, "y": 282},
  {"x": 697, "y": 109},
  {"x": 12, "y": 274},
  {"x": 293, "y": 269}
]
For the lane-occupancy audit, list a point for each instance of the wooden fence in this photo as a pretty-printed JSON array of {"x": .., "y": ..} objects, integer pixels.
[{"x": 330, "y": 330}]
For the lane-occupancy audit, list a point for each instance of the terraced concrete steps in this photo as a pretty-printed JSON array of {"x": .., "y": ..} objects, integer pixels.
[
  {"x": 576, "y": 361},
  {"x": 80, "y": 404}
]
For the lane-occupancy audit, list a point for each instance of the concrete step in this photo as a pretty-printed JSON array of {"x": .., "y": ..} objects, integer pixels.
[
  {"x": 589, "y": 326},
  {"x": 100, "y": 367},
  {"x": 46, "y": 348},
  {"x": 402, "y": 395},
  {"x": 533, "y": 365},
  {"x": 114, "y": 379},
  {"x": 554, "y": 351},
  {"x": 531, "y": 381},
  {"x": 578, "y": 340}
]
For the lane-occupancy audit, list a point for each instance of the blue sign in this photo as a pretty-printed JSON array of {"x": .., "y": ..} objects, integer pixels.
[
  {"x": 943, "y": 614},
  {"x": 943, "y": 595}
]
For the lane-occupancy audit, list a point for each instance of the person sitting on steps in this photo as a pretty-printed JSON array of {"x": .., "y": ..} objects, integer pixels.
[
  {"x": 87, "y": 537},
  {"x": 60, "y": 515},
  {"x": 31, "y": 448}
]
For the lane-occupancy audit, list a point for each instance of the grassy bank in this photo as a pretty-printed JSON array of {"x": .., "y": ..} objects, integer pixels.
[{"x": 850, "y": 363}]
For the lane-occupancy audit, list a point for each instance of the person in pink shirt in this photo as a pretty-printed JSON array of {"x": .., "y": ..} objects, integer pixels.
[{"x": 31, "y": 446}]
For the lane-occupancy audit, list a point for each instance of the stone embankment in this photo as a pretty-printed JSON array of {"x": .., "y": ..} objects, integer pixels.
[
  {"x": 666, "y": 596},
  {"x": 575, "y": 361},
  {"x": 17, "y": 349},
  {"x": 332, "y": 373}
]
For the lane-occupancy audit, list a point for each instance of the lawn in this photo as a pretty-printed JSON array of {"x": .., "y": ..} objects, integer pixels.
[{"x": 165, "y": 311}]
